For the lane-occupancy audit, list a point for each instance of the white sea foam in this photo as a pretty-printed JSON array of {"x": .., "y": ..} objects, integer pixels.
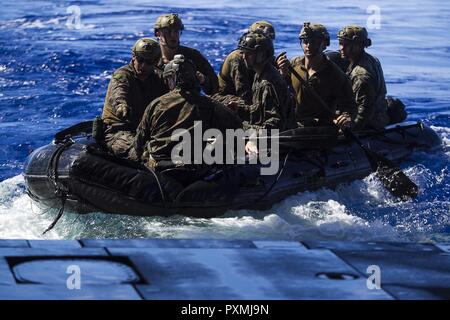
[
  {"x": 59, "y": 22},
  {"x": 19, "y": 217},
  {"x": 444, "y": 133},
  {"x": 319, "y": 215},
  {"x": 352, "y": 212}
]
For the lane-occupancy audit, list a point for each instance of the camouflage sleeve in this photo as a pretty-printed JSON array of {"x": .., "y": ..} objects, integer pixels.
[
  {"x": 244, "y": 111},
  {"x": 211, "y": 84},
  {"x": 267, "y": 110},
  {"x": 143, "y": 131},
  {"x": 120, "y": 88},
  {"x": 345, "y": 99},
  {"x": 271, "y": 104},
  {"x": 365, "y": 101},
  {"x": 241, "y": 80},
  {"x": 225, "y": 99}
]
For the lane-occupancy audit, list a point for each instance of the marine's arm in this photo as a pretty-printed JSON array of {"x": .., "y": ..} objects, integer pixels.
[
  {"x": 211, "y": 84},
  {"x": 364, "y": 92},
  {"x": 144, "y": 129},
  {"x": 283, "y": 66},
  {"x": 272, "y": 107},
  {"x": 267, "y": 109},
  {"x": 118, "y": 97},
  {"x": 241, "y": 80},
  {"x": 346, "y": 105}
]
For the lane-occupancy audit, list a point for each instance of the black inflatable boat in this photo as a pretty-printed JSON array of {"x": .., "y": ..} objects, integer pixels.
[{"x": 76, "y": 171}]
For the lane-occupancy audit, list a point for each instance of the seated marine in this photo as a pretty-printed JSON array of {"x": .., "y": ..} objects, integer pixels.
[
  {"x": 366, "y": 76},
  {"x": 272, "y": 103},
  {"x": 131, "y": 89},
  {"x": 320, "y": 76},
  {"x": 234, "y": 77},
  {"x": 181, "y": 108},
  {"x": 168, "y": 28},
  {"x": 396, "y": 110}
]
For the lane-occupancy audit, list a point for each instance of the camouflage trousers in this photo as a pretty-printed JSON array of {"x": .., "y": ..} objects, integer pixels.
[{"x": 121, "y": 143}]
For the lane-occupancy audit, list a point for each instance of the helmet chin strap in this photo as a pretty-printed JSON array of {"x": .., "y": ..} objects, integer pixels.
[
  {"x": 172, "y": 82},
  {"x": 172, "y": 47},
  {"x": 317, "y": 53},
  {"x": 165, "y": 44},
  {"x": 260, "y": 57}
]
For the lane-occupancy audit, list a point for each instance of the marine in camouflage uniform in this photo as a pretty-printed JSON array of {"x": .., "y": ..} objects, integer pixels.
[
  {"x": 367, "y": 78},
  {"x": 178, "y": 109},
  {"x": 168, "y": 28},
  {"x": 234, "y": 77},
  {"x": 272, "y": 104},
  {"x": 325, "y": 77},
  {"x": 131, "y": 89}
]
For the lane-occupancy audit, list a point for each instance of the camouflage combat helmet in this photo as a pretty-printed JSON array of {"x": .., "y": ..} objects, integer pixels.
[
  {"x": 147, "y": 48},
  {"x": 182, "y": 71},
  {"x": 171, "y": 20},
  {"x": 266, "y": 27},
  {"x": 314, "y": 30},
  {"x": 355, "y": 33},
  {"x": 258, "y": 43}
]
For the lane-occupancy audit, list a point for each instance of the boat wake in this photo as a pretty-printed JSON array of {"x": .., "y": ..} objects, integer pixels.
[{"x": 360, "y": 211}]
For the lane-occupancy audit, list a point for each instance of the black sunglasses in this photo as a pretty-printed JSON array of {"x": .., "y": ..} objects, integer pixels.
[{"x": 141, "y": 60}]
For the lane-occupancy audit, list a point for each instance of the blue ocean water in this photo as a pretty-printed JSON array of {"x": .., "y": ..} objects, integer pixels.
[{"x": 56, "y": 58}]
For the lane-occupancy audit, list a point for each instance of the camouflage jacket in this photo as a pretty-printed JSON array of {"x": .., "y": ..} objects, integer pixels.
[
  {"x": 235, "y": 78},
  {"x": 369, "y": 89},
  {"x": 211, "y": 85},
  {"x": 178, "y": 110},
  {"x": 125, "y": 88},
  {"x": 330, "y": 83},
  {"x": 272, "y": 103}
]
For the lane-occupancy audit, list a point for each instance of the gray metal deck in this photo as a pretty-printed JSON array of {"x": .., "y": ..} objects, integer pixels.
[{"x": 157, "y": 269}]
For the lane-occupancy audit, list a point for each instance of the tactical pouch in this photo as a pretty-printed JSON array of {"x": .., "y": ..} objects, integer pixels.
[
  {"x": 98, "y": 130},
  {"x": 395, "y": 110}
]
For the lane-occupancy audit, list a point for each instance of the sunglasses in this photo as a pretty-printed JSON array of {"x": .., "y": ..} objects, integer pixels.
[{"x": 141, "y": 60}]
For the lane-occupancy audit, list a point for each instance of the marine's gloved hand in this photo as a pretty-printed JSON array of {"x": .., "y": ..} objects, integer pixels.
[
  {"x": 251, "y": 148},
  {"x": 178, "y": 59},
  {"x": 122, "y": 111},
  {"x": 283, "y": 65},
  {"x": 233, "y": 105},
  {"x": 343, "y": 121}
]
